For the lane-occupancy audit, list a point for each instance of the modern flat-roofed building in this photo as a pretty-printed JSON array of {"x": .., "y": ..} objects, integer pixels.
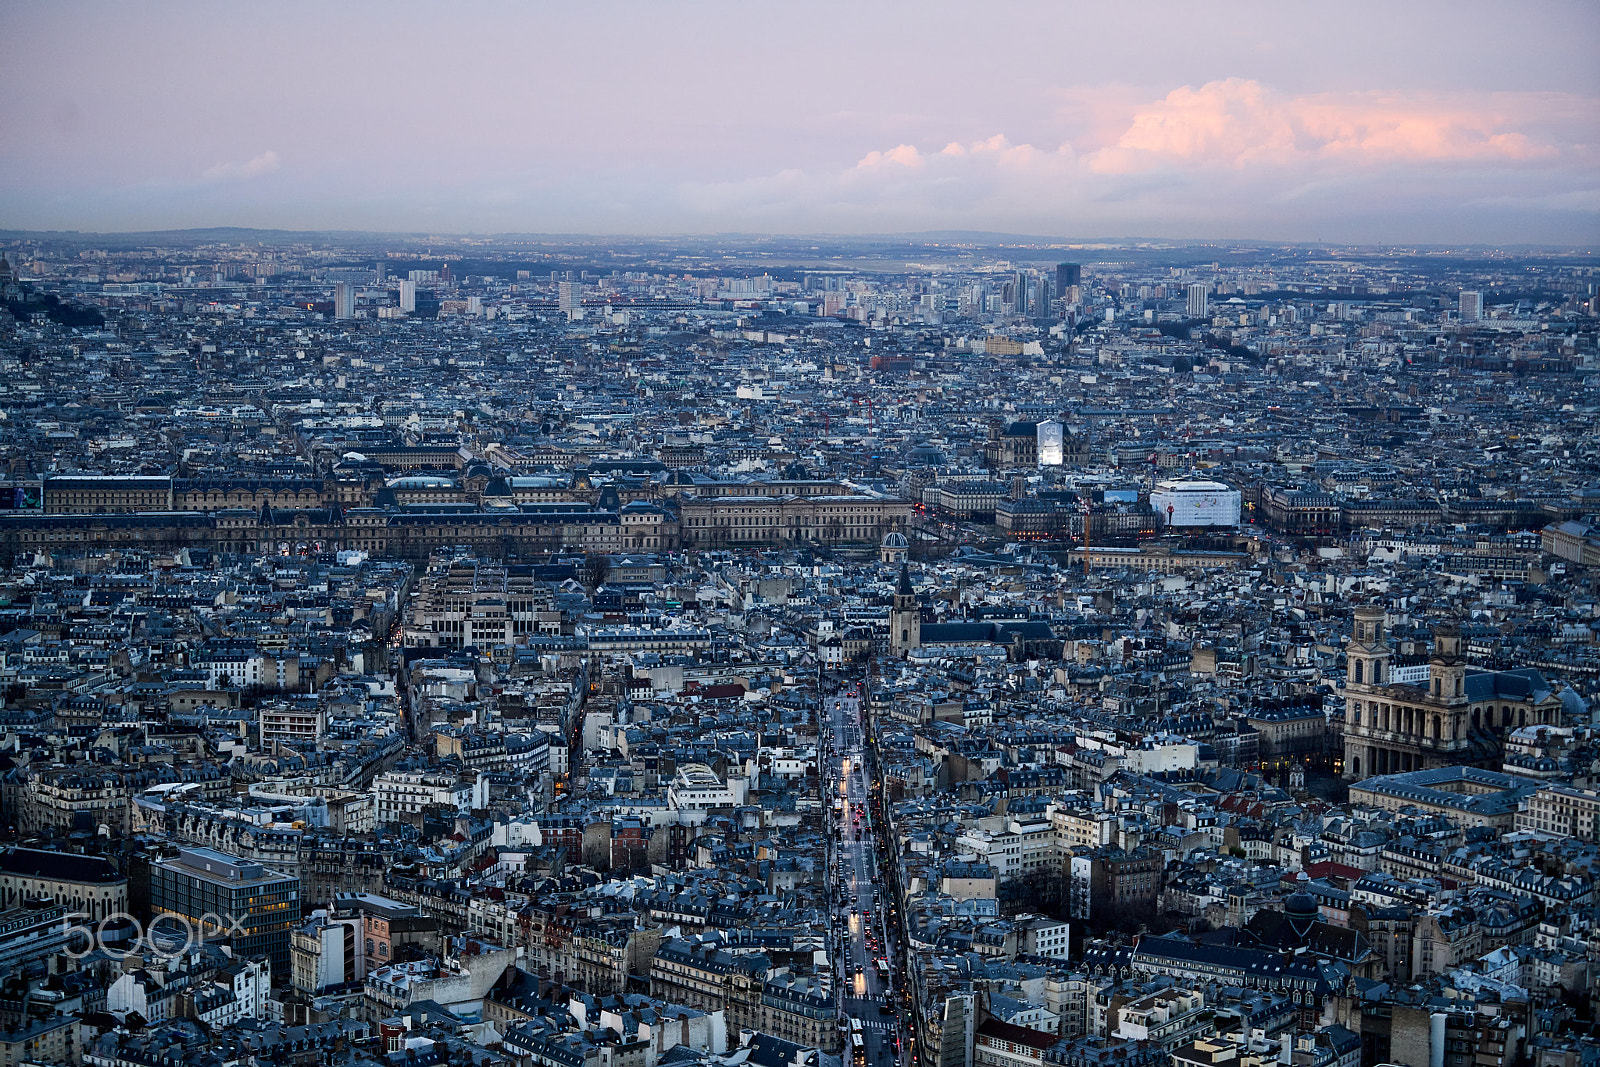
[
  {"x": 225, "y": 898},
  {"x": 291, "y": 722},
  {"x": 35, "y": 931},
  {"x": 1068, "y": 275},
  {"x": 387, "y": 925}
]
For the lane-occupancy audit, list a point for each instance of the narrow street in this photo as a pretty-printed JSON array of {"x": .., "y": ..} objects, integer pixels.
[{"x": 867, "y": 959}]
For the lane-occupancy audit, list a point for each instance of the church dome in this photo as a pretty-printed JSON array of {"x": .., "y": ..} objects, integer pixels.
[{"x": 1301, "y": 911}]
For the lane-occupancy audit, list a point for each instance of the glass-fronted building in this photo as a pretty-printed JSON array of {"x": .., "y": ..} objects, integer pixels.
[{"x": 219, "y": 897}]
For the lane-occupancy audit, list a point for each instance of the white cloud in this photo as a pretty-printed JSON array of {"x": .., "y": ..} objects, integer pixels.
[{"x": 264, "y": 163}]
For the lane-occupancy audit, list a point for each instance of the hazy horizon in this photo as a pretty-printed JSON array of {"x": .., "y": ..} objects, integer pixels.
[
  {"x": 925, "y": 239},
  {"x": 1427, "y": 124}
]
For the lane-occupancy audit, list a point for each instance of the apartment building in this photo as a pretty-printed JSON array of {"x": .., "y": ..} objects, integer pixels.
[
  {"x": 400, "y": 794},
  {"x": 1562, "y": 809}
]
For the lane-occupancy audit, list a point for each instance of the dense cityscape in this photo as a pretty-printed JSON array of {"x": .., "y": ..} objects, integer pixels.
[{"x": 960, "y": 651}]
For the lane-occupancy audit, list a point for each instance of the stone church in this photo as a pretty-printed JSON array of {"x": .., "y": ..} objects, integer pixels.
[{"x": 1457, "y": 717}]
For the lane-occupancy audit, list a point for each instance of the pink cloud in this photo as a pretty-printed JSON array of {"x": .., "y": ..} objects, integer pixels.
[
  {"x": 1231, "y": 120},
  {"x": 1236, "y": 154},
  {"x": 904, "y": 155},
  {"x": 999, "y": 151},
  {"x": 1376, "y": 128},
  {"x": 1241, "y": 123}
]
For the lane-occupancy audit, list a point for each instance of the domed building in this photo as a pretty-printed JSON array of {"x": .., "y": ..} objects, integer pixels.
[
  {"x": 1302, "y": 913},
  {"x": 1300, "y": 927},
  {"x": 895, "y": 548}
]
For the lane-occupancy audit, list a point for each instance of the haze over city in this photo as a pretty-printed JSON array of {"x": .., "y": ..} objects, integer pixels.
[
  {"x": 807, "y": 535},
  {"x": 1364, "y": 122}
]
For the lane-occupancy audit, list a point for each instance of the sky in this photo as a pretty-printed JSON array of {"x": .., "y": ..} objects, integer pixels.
[{"x": 1409, "y": 122}]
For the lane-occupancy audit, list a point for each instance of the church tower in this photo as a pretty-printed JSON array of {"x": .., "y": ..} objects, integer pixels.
[
  {"x": 905, "y": 618},
  {"x": 1366, "y": 674},
  {"x": 1367, "y": 651},
  {"x": 1447, "y": 669}
]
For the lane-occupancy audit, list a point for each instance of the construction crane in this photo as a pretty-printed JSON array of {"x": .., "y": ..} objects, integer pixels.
[
  {"x": 1083, "y": 506},
  {"x": 863, "y": 398}
]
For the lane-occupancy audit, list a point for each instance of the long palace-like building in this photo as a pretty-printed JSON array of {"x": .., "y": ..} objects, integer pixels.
[{"x": 158, "y": 513}]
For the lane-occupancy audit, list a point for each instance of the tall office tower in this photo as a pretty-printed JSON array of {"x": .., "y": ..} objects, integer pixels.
[
  {"x": 1471, "y": 305},
  {"x": 220, "y": 897},
  {"x": 380, "y": 270},
  {"x": 1199, "y": 300},
  {"x": 1020, "y": 282},
  {"x": 569, "y": 296},
  {"x": 1068, "y": 275},
  {"x": 408, "y": 297},
  {"x": 1041, "y": 297},
  {"x": 344, "y": 300}
]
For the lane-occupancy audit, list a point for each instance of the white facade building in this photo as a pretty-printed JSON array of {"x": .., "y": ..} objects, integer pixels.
[
  {"x": 400, "y": 793},
  {"x": 697, "y": 788},
  {"x": 1182, "y": 503}
]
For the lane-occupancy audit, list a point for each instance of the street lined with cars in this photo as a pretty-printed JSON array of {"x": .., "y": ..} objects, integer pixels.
[{"x": 863, "y": 944}]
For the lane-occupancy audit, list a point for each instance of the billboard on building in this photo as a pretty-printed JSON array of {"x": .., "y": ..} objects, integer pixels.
[
  {"x": 1050, "y": 438},
  {"x": 21, "y": 496},
  {"x": 1182, "y": 503}
]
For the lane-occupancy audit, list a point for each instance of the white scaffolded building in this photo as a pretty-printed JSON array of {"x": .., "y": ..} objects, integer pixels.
[
  {"x": 1050, "y": 443},
  {"x": 1182, "y": 503}
]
